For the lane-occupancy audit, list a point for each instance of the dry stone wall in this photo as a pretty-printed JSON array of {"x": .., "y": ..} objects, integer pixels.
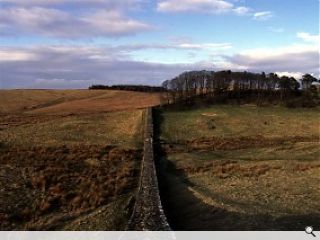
[{"x": 148, "y": 214}]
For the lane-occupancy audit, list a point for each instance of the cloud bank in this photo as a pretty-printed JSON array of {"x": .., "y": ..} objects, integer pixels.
[
  {"x": 295, "y": 59},
  {"x": 210, "y": 7},
  {"x": 81, "y": 66},
  {"x": 48, "y": 18},
  {"x": 78, "y": 67},
  {"x": 309, "y": 37},
  {"x": 74, "y": 3}
]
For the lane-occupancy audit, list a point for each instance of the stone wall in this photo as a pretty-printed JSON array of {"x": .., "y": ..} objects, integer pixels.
[{"x": 148, "y": 214}]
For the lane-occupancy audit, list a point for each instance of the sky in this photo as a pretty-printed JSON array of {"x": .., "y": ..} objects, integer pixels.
[{"x": 77, "y": 43}]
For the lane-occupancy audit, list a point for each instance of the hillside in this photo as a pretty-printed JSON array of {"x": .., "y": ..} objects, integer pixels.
[
  {"x": 69, "y": 159},
  {"x": 228, "y": 167},
  {"x": 73, "y": 101}
]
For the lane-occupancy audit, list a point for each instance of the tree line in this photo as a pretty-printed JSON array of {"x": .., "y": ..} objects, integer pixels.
[
  {"x": 137, "y": 88},
  {"x": 226, "y": 85}
]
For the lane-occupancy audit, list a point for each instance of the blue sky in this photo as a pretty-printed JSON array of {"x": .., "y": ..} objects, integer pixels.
[{"x": 76, "y": 43}]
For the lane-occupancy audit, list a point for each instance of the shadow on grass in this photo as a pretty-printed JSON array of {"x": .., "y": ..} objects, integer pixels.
[{"x": 186, "y": 212}]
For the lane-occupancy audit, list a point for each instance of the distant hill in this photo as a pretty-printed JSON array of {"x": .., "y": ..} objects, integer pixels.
[{"x": 73, "y": 101}]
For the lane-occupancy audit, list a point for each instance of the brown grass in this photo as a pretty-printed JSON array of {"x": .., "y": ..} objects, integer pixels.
[
  {"x": 67, "y": 155},
  {"x": 241, "y": 168},
  {"x": 119, "y": 128},
  {"x": 239, "y": 121},
  {"x": 57, "y": 102},
  {"x": 244, "y": 195},
  {"x": 61, "y": 183}
]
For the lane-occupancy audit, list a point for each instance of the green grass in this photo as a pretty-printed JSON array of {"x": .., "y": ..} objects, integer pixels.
[{"x": 234, "y": 121}]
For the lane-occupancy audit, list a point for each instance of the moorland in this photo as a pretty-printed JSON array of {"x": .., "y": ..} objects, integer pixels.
[
  {"x": 233, "y": 151},
  {"x": 69, "y": 159}
]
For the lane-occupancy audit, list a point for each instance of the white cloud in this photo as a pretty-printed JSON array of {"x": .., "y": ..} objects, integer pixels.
[
  {"x": 75, "y": 3},
  {"x": 79, "y": 67},
  {"x": 70, "y": 18},
  {"x": 293, "y": 58},
  {"x": 262, "y": 16},
  {"x": 242, "y": 11},
  {"x": 181, "y": 45},
  {"x": 201, "y": 46},
  {"x": 204, "y": 46},
  {"x": 209, "y": 6},
  {"x": 58, "y": 23},
  {"x": 276, "y": 29},
  {"x": 114, "y": 23},
  {"x": 264, "y": 53},
  {"x": 16, "y": 55},
  {"x": 296, "y": 75},
  {"x": 308, "y": 37}
]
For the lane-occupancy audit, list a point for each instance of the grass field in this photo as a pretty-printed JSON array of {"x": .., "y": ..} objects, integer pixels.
[
  {"x": 69, "y": 159},
  {"x": 52, "y": 102},
  {"x": 241, "y": 168},
  {"x": 240, "y": 121},
  {"x": 117, "y": 128}
]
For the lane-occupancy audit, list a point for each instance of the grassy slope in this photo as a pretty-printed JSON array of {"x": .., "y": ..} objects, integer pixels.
[
  {"x": 272, "y": 187},
  {"x": 24, "y": 100},
  {"x": 116, "y": 128},
  {"x": 231, "y": 121},
  {"x": 73, "y": 101},
  {"x": 55, "y": 117},
  {"x": 38, "y": 123}
]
